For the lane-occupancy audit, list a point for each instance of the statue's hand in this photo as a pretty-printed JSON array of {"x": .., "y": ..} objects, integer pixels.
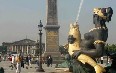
[
  {"x": 76, "y": 54},
  {"x": 99, "y": 69}
]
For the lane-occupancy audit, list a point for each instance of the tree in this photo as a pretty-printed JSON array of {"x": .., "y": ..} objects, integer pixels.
[
  {"x": 3, "y": 49},
  {"x": 111, "y": 48}
]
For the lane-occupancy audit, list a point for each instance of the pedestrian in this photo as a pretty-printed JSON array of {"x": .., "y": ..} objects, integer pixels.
[
  {"x": 0, "y": 58},
  {"x": 47, "y": 61},
  {"x": 51, "y": 60},
  {"x": 43, "y": 60},
  {"x": 22, "y": 61},
  {"x": 37, "y": 61},
  {"x": 10, "y": 58},
  {"x": 27, "y": 62},
  {"x": 102, "y": 58},
  {"x": 29, "y": 58},
  {"x": 18, "y": 63},
  {"x": 13, "y": 62}
]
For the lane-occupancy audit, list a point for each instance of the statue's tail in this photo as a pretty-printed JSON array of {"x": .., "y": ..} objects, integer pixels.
[{"x": 86, "y": 59}]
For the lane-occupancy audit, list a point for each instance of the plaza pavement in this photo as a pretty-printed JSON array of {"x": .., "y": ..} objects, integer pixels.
[{"x": 6, "y": 64}]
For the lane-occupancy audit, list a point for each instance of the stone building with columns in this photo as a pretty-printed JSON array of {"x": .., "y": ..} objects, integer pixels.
[{"x": 26, "y": 46}]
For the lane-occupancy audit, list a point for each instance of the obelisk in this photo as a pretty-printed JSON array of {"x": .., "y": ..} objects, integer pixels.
[{"x": 52, "y": 30}]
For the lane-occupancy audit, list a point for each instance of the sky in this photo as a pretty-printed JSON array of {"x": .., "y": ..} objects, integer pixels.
[{"x": 19, "y": 18}]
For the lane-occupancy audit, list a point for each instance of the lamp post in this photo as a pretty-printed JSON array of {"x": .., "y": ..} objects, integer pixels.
[{"x": 40, "y": 69}]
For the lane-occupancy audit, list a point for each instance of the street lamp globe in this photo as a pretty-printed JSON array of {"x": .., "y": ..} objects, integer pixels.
[{"x": 40, "y": 26}]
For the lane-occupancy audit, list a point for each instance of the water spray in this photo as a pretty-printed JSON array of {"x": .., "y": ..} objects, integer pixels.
[{"x": 79, "y": 10}]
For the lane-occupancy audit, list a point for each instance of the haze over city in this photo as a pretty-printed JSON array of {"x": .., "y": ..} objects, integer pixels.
[{"x": 19, "y": 18}]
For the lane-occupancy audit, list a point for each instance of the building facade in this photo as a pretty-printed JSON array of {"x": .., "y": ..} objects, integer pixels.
[{"x": 26, "y": 46}]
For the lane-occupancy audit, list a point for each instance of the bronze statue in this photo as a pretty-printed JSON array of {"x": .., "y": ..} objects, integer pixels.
[
  {"x": 92, "y": 46},
  {"x": 84, "y": 51},
  {"x": 79, "y": 63}
]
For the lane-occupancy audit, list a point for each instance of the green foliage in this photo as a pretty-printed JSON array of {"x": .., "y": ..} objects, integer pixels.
[
  {"x": 110, "y": 47},
  {"x": 3, "y": 49}
]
